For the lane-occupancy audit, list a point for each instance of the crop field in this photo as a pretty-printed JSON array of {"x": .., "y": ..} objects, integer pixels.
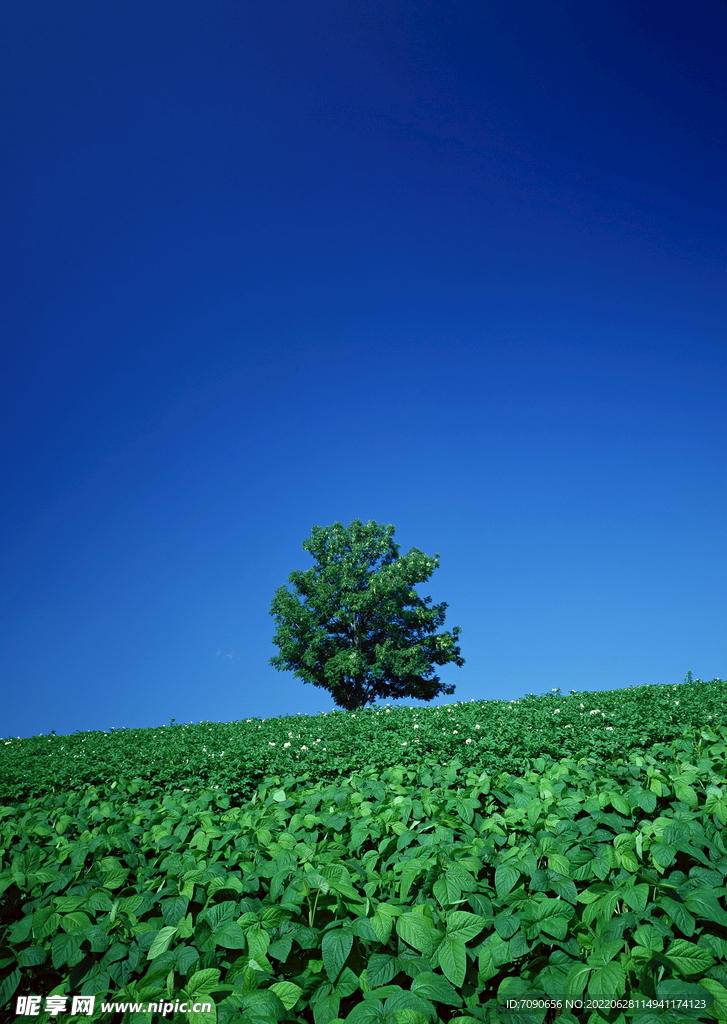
[{"x": 552, "y": 858}]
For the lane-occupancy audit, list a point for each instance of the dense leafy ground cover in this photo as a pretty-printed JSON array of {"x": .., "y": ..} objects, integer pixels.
[{"x": 402, "y": 865}]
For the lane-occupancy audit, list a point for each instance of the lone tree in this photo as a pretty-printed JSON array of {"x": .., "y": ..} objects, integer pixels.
[{"x": 354, "y": 625}]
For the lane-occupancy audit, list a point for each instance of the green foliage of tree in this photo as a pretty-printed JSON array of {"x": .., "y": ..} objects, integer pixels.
[{"x": 354, "y": 625}]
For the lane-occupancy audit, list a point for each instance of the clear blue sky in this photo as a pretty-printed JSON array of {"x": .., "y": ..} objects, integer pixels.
[{"x": 451, "y": 265}]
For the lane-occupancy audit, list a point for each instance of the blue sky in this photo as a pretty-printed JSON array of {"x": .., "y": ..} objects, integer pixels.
[{"x": 453, "y": 266}]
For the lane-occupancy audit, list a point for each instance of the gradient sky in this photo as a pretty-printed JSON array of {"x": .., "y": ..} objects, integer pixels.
[{"x": 452, "y": 265}]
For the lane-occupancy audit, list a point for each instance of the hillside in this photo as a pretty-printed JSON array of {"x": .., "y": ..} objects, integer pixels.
[
  {"x": 490, "y": 735},
  {"x": 400, "y": 865}
]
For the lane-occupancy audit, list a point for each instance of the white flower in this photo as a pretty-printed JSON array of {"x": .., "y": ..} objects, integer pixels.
[
  {"x": 609, "y": 728},
  {"x": 556, "y": 711},
  {"x": 468, "y": 741},
  {"x": 416, "y": 726},
  {"x": 271, "y": 744},
  {"x": 286, "y": 744},
  {"x": 304, "y": 748},
  {"x": 455, "y": 731},
  {"x": 478, "y": 727},
  {"x": 595, "y": 712}
]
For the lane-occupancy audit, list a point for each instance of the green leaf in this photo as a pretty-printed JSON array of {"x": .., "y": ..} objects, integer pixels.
[
  {"x": 459, "y": 880},
  {"x": 417, "y": 931},
  {"x": 506, "y": 924},
  {"x": 347, "y": 983},
  {"x": 264, "y": 1003},
  {"x": 174, "y": 909},
  {"x": 620, "y": 804},
  {"x": 335, "y": 947},
  {"x": 493, "y": 953},
  {"x": 258, "y": 942},
  {"x": 663, "y": 854},
  {"x": 115, "y": 878},
  {"x": 461, "y": 924},
  {"x": 287, "y": 993},
  {"x": 452, "y": 956},
  {"x": 644, "y": 799},
  {"x": 677, "y": 988},
  {"x": 646, "y": 935},
  {"x": 593, "y": 892},
  {"x": 607, "y": 982},
  {"x": 9, "y": 983},
  {"x": 44, "y": 924},
  {"x": 409, "y": 1016},
  {"x": 75, "y": 922},
  {"x": 217, "y": 914},
  {"x": 161, "y": 942},
  {"x": 31, "y": 956},
  {"x": 380, "y": 969},
  {"x": 367, "y": 1012},
  {"x": 564, "y": 887},
  {"x": 338, "y": 878},
  {"x": 553, "y": 916},
  {"x": 280, "y": 949},
  {"x": 433, "y": 986},
  {"x": 719, "y": 993},
  {"x": 405, "y": 1001},
  {"x": 560, "y": 863},
  {"x": 688, "y": 957},
  {"x": 687, "y": 794},
  {"x": 184, "y": 957},
  {"x": 636, "y": 896},
  {"x": 576, "y": 980},
  {"x": 64, "y": 948},
  {"x": 703, "y": 903},
  {"x": 381, "y": 925},
  {"x": 678, "y": 913},
  {"x": 130, "y": 904},
  {"x": 605, "y": 952},
  {"x": 506, "y": 875},
  {"x": 230, "y": 936},
  {"x": 203, "y": 982}
]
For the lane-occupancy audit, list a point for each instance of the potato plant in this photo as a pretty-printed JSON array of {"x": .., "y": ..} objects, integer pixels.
[{"x": 426, "y": 889}]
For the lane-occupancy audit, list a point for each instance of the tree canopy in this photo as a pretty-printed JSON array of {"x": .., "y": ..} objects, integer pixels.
[{"x": 353, "y": 623}]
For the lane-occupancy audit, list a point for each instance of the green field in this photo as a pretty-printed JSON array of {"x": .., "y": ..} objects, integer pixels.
[{"x": 399, "y": 865}]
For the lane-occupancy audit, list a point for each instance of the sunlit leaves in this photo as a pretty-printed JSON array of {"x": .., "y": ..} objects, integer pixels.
[
  {"x": 161, "y": 942},
  {"x": 688, "y": 957},
  {"x": 406, "y": 891}
]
